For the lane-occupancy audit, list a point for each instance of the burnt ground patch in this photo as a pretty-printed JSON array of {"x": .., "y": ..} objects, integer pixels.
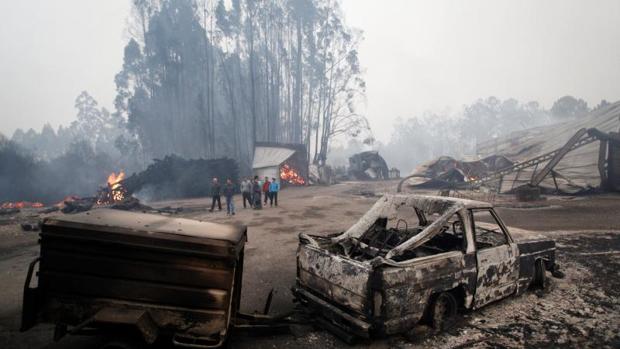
[
  {"x": 581, "y": 310},
  {"x": 599, "y": 253}
]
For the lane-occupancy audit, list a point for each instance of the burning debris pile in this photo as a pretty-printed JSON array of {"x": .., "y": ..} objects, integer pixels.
[
  {"x": 290, "y": 175},
  {"x": 114, "y": 191},
  {"x": 446, "y": 172},
  {"x": 171, "y": 177}
]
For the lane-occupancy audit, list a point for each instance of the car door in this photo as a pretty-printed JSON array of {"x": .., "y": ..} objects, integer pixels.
[{"x": 496, "y": 256}]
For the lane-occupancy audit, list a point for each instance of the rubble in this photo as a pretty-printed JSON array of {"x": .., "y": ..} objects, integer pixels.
[
  {"x": 578, "y": 156},
  {"x": 9, "y": 211},
  {"x": 30, "y": 226},
  {"x": 368, "y": 165},
  {"x": 175, "y": 177},
  {"x": 76, "y": 205},
  {"x": 449, "y": 173}
]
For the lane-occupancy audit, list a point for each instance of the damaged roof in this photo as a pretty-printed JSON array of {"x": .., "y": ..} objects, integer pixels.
[
  {"x": 268, "y": 156},
  {"x": 577, "y": 169}
]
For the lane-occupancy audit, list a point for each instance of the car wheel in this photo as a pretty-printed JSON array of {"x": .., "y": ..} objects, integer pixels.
[
  {"x": 539, "y": 274},
  {"x": 443, "y": 311}
]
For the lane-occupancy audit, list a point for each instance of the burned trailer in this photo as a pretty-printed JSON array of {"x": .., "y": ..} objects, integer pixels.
[
  {"x": 414, "y": 259},
  {"x": 160, "y": 278}
]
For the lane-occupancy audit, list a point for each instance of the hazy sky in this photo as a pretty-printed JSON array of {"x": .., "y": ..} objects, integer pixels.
[{"x": 418, "y": 55}]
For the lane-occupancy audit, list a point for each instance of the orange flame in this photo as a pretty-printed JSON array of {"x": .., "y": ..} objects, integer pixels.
[
  {"x": 115, "y": 191},
  {"x": 21, "y": 204},
  {"x": 290, "y": 175}
]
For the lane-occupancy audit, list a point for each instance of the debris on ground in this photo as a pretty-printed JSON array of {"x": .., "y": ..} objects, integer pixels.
[{"x": 368, "y": 165}]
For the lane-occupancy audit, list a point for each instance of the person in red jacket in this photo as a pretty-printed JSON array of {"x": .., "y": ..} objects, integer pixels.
[{"x": 265, "y": 188}]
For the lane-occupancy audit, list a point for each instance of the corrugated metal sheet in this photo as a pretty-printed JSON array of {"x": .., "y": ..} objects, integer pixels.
[
  {"x": 576, "y": 171},
  {"x": 270, "y": 156}
]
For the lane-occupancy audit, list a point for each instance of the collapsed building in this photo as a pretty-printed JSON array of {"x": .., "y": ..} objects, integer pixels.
[
  {"x": 368, "y": 165},
  {"x": 568, "y": 157},
  {"x": 288, "y": 162}
]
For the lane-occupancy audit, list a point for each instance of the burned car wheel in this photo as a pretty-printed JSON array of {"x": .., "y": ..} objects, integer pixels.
[{"x": 443, "y": 311}]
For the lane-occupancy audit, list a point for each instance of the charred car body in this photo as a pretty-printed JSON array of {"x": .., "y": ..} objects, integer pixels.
[{"x": 385, "y": 274}]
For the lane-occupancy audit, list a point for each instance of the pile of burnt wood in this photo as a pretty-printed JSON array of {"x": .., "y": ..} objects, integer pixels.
[{"x": 174, "y": 177}]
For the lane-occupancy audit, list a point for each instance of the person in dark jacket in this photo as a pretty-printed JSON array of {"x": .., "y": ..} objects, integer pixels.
[
  {"x": 256, "y": 191},
  {"x": 266, "y": 185},
  {"x": 229, "y": 191},
  {"x": 215, "y": 195}
]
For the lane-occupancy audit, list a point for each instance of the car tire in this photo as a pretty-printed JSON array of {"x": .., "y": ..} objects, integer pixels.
[
  {"x": 443, "y": 311},
  {"x": 539, "y": 274}
]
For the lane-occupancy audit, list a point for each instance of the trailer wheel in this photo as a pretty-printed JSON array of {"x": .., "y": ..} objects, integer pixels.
[
  {"x": 539, "y": 274},
  {"x": 443, "y": 311}
]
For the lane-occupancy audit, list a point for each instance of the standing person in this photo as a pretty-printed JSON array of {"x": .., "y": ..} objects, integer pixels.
[
  {"x": 215, "y": 194},
  {"x": 266, "y": 185},
  {"x": 246, "y": 191},
  {"x": 229, "y": 191},
  {"x": 256, "y": 190},
  {"x": 274, "y": 188}
]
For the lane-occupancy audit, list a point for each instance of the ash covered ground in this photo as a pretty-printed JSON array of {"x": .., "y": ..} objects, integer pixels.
[{"x": 579, "y": 311}]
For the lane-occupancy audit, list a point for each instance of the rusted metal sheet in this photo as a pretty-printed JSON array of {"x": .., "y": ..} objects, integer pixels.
[
  {"x": 341, "y": 280},
  {"x": 186, "y": 275}
]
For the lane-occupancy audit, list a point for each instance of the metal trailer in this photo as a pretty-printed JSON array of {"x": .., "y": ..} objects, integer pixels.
[{"x": 149, "y": 276}]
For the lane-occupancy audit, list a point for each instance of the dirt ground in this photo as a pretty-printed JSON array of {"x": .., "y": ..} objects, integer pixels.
[{"x": 578, "y": 311}]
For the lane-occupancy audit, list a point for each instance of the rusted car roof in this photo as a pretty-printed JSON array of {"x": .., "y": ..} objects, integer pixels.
[{"x": 108, "y": 220}]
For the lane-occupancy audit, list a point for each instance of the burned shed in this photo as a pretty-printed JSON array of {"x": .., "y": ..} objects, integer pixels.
[
  {"x": 288, "y": 162},
  {"x": 368, "y": 165}
]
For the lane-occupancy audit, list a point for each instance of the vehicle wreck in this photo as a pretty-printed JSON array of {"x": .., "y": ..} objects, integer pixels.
[
  {"x": 415, "y": 258},
  {"x": 115, "y": 271}
]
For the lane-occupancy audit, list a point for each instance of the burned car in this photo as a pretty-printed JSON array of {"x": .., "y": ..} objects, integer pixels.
[{"x": 414, "y": 258}]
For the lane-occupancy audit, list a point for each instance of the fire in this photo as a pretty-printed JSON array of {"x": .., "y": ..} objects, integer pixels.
[
  {"x": 114, "y": 190},
  {"x": 290, "y": 175},
  {"x": 21, "y": 204}
]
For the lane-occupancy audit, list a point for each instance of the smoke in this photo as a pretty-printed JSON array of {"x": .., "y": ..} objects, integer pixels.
[{"x": 79, "y": 171}]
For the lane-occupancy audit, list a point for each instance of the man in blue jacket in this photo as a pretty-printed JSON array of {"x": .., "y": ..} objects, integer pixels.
[{"x": 274, "y": 188}]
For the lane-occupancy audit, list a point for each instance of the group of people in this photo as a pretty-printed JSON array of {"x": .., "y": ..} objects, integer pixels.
[
  {"x": 252, "y": 191},
  {"x": 256, "y": 193}
]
